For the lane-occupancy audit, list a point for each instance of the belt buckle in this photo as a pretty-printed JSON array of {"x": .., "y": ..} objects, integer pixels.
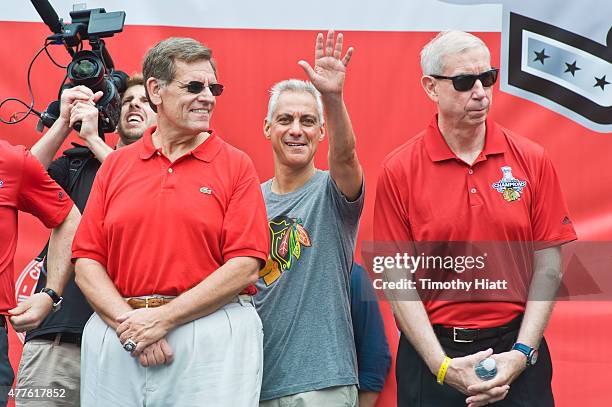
[
  {"x": 455, "y": 330},
  {"x": 146, "y": 302}
]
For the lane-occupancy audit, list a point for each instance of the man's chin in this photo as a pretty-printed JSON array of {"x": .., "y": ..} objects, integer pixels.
[{"x": 129, "y": 137}]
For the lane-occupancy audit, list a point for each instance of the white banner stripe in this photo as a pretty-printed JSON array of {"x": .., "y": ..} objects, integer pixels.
[{"x": 360, "y": 15}]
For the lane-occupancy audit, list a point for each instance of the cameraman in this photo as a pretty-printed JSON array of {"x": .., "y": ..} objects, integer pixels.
[{"x": 51, "y": 355}]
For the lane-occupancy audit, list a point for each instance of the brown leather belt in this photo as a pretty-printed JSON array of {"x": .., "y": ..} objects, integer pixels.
[{"x": 148, "y": 302}]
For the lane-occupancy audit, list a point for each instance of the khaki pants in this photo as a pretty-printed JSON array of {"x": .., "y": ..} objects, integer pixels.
[
  {"x": 340, "y": 396},
  {"x": 50, "y": 373},
  {"x": 218, "y": 361}
]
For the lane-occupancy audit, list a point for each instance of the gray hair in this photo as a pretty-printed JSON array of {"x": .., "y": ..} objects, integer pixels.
[
  {"x": 294, "y": 85},
  {"x": 159, "y": 62},
  {"x": 444, "y": 44}
]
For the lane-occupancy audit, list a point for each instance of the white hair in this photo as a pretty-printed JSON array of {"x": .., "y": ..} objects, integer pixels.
[
  {"x": 444, "y": 44},
  {"x": 294, "y": 85}
]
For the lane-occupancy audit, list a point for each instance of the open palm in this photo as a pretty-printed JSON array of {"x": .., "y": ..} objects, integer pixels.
[{"x": 329, "y": 68}]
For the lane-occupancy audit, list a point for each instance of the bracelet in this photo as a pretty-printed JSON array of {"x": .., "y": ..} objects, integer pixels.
[{"x": 443, "y": 369}]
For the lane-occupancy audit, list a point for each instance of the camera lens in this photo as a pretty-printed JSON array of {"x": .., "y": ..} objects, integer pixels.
[{"x": 84, "y": 68}]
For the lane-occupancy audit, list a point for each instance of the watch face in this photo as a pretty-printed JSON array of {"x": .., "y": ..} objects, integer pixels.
[{"x": 533, "y": 357}]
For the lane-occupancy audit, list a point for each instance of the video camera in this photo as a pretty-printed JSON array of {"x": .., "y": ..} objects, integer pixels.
[{"x": 92, "y": 68}]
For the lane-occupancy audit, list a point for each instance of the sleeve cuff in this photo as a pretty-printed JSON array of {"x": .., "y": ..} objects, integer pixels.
[{"x": 82, "y": 254}]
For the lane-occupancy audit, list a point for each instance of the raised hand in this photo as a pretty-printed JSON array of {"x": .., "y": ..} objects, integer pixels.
[{"x": 329, "y": 68}]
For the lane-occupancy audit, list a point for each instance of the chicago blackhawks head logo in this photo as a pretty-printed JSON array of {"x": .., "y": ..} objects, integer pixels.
[{"x": 287, "y": 236}]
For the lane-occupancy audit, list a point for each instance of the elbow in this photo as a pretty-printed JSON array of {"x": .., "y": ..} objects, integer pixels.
[
  {"x": 78, "y": 274},
  {"x": 245, "y": 269},
  {"x": 253, "y": 274}
]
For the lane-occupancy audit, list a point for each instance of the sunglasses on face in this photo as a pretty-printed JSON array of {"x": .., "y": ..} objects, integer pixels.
[
  {"x": 463, "y": 83},
  {"x": 196, "y": 87}
]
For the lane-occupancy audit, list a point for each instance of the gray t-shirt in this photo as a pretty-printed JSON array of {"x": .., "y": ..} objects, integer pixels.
[{"x": 303, "y": 294}]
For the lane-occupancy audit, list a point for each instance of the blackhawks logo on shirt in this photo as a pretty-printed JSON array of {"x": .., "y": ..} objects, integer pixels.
[
  {"x": 508, "y": 186},
  {"x": 287, "y": 236}
]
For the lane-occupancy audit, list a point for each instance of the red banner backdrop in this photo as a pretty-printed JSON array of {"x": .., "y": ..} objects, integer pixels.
[{"x": 387, "y": 106}]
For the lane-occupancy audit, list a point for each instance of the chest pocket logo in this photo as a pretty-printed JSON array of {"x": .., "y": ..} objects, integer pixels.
[
  {"x": 206, "y": 190},
  {"x": 508, "y": 186}
]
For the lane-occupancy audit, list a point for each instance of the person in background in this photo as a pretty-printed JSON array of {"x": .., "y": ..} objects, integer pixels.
[
  {"x": 51, "y": 356},
  {"x": 373, "y": 355}
]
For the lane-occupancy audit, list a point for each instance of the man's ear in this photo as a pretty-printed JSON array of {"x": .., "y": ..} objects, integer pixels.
[
  {"x": 153, "y": 87},
  {"x": 429, "y": 85},
  {"x": 266, "y": 129},
  {"x": 322, "y": 135}
]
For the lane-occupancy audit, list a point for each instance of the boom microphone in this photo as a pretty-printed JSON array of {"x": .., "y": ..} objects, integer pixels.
[{"x": 48, "y": 15}]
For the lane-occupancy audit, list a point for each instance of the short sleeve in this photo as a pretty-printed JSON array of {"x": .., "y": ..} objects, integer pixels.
[
  {"x": 40, "y": 196},
  {"x": 391, "y": 222},
  {"x": 245, "y": 224},
  {"x": 90, "y": 240},
  {"x": 551, "y": 222},
  {"x": 350, "y": 211}
]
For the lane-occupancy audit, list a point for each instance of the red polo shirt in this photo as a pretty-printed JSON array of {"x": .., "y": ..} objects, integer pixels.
[
  {"x": 160, "y": 227},
  {"x": 24, "y": 186},
  {"x": 510, "y": 194}
]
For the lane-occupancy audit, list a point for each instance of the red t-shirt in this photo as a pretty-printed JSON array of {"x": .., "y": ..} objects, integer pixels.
[
  {"x": 24, "y": 186},
  {"x": 160, "y": 227},
  {"x": 509, "y": 198}
]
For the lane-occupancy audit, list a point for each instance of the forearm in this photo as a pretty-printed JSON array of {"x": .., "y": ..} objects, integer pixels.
[
  {"x": 368, "y": 398},
  {"x": 59, "y": 266},
  {"x": 344, "y": 165},
  {"x": 46, "y": 147},
  {"x": 101, "y": 293},
  {"x": 542, "y": 292},
  {"x": 413, "y": 321},
  {"x": 213, "y": 292},
  {"x": 97, "y": 146},
  {"x": 339, "y": 129}
]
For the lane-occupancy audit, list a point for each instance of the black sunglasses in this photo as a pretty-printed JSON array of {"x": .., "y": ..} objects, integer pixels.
[
  {"x": 196, "y": 87},
  {"x": 463, "y": 83}
]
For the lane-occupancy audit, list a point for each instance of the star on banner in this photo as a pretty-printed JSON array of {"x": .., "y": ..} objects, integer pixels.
[
  {"x": 541, "y": 56},
  {"x": 572, "y": 68},
  {"x": 601, "y": 82}
]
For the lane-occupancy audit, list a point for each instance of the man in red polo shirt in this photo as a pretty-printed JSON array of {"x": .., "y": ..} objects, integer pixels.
[
  {"x": 468, "y": 181},
  {"x": 26, "y": 186},
  {"x": 171, "y": 242}
]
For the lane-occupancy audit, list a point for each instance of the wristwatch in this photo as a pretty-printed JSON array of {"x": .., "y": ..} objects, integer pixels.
[
  {"x": 57, "y": 300},
  {"x": 528, "y": 351}
]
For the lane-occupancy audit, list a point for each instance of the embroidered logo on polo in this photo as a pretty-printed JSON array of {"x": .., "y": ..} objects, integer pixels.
[
  {"x": 1, "y": 183},
  {"x": 509, "y": 186},
  {"x": 206, "y": 190},
  {"x": 287, "y": 236}
]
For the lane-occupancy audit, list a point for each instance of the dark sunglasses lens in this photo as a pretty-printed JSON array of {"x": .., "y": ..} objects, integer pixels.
[
  {"x": 488, "y": 78},
  {"x": 216, "y": 89},
  {"x": 195, "y": 87},
  {"x": 464, "y": 83}
]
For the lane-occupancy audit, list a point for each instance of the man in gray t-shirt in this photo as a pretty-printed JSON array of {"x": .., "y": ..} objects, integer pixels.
[{"x": 303, "y": 291}]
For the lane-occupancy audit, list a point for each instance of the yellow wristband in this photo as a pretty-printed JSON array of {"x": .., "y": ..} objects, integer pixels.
[{"x": 443, "y": 369}]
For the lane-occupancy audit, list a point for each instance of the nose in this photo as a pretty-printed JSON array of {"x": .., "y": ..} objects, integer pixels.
[
  {"x": 295, "y": 129},
  {"x": 206, "y": 94},
  {"x": 478, "y": 91}
]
